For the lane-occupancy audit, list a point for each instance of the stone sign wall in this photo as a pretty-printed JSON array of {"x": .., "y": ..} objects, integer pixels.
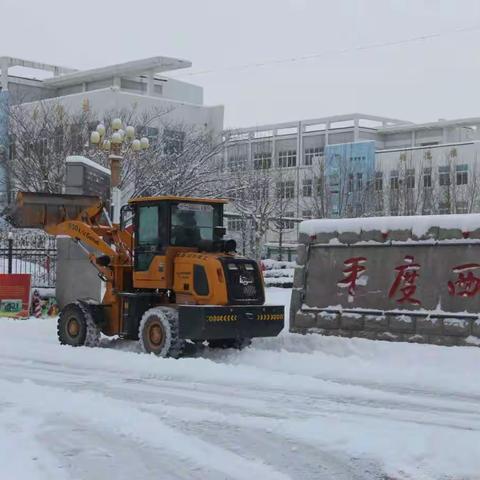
[{"x": 392, "y": 287}]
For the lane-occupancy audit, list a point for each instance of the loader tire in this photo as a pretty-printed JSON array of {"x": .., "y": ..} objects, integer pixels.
[
  {"x": 76, "y": 327},
  {"x": 158, "y": 333},
  {"x": 236, "y": 343}
]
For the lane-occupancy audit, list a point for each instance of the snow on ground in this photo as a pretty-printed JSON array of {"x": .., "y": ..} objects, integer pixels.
[{"x": 292, "y": 407}]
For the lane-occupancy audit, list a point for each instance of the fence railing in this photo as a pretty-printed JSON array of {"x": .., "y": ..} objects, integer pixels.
[{"x": 36, "y": 254}]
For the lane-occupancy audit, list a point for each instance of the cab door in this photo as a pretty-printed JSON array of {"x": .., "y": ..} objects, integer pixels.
[
  {"x": 151, "y": 241},
  {"x": 147, "y": 242}
]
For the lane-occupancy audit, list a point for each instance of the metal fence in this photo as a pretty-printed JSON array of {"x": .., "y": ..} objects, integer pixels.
[{"x": 26, "y": 252}]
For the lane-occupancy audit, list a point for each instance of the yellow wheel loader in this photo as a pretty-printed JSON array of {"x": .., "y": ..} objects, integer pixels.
[{"x": 170, "y": 275}]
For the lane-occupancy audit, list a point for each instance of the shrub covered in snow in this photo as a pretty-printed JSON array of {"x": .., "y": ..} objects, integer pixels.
[{"x": 278, "y": 273}]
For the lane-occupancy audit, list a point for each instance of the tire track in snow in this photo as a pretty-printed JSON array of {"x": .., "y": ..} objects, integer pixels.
[
  {"x": 299, "y": 404},
  {"x": 123, "y": 418}
]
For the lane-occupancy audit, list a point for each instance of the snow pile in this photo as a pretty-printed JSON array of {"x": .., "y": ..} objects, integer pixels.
[
  {"x": 278, "y": 273},
  {"x": 418, "y": 224}
]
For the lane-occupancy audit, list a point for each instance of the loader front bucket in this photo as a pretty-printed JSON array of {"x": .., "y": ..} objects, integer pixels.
[{"x": 40, "y": 210}]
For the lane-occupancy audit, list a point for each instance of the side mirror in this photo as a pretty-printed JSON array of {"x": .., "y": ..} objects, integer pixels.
[
  {"x": 124, "y": 211},
  {"x": 221, "y": 231},
  {"x": 103, "y": 260}
]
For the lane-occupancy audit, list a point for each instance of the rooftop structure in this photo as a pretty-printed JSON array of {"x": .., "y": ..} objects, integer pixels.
[{"x": 137, "y": 76}]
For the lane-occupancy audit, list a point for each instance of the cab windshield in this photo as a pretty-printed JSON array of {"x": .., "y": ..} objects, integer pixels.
[{"x": 192, "y": 222}]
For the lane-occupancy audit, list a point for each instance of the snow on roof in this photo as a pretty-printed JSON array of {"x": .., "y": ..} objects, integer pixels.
[
  {"x": 136, "y": 67},
  {"x": 419, "y": 224},
  {"x": 86, "y": 161}
]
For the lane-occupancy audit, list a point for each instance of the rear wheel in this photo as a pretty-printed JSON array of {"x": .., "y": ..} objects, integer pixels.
[
  {"x": 237, "y": 343},
  {"x": 158, "y": 333},
  {"x": 76, "y": 327}
]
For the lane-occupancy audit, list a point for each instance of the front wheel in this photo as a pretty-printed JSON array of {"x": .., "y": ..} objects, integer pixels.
[
  {"x": 76, "y": 327},
  {"x": 158, "y": 333}
]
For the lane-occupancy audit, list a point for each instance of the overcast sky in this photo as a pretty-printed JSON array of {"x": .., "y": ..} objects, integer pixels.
[{"x": 419, "y": 81}]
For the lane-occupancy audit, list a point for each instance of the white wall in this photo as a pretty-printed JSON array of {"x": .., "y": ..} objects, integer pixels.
[{"x": 111, "y": 99}]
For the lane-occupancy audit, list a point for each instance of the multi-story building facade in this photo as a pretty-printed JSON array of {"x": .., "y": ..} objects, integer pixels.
[
  {"x": 139, "y": 84},
  {"x": 356, "y": 165}
]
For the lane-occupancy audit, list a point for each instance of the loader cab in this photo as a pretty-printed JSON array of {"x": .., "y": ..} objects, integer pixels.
[{"x": 165, "y": 226}]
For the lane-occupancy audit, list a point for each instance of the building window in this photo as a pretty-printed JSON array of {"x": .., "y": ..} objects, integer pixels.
[
  {"x": 12, "y": 150},
  {"x": 76, "y": 138},
  {"x": 288, "y": 223},
  {"x": 236, "y": 162},
  {"x": 350, "y": 182},
  {"x": 410, "y": 208},
  {"x": 333, "y": 182},
  {"x": 444, "y": 208},
  {"x": 335, "y": 201},
  {"x": 311, "y": 153},
  {"x": 131, "y": 85},
  {"x": 319, "y": 186},
  {"x": 410, "y": 178},
  {"x": 58, "y": 140},
  {"x": 286, "y": 189},
  {"x": 378, "y": 181},
  {"x": 427, "y": 178},
  {"x": 394, "y": 180},
  {"x": 173, "y": 140},
  {"x": 358, "y": 209},
  {"x": 359, "y": 181},
  {"x": 426, "y": 210},
  {"x": 461, "y": 207},
  {"x": 462, "y": 174},
  {"x": 444, "y": 176},
  {"x": 39, "y": 148},
  {"x": 287, "y": 158},
  {"x": 307, "y": 214},
  {"x": 262, "y": 161},
  {"x": 260, "y": 193},
  {"x": 234, "y": 224},
  {"x": 307, "y": 187}
]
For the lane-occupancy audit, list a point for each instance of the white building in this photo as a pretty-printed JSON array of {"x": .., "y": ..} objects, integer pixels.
[
  {"x": 358, "y": 165},
  {"x": 139, "y": 83}
]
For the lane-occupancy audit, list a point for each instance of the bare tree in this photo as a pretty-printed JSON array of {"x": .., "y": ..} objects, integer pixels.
[
  {"x": 253, "y": 196},
  {"x": 41, "y": 137},
  {"x": 184, "y": 161},
  {"x": 181, "y": 160},
  {"x": 283, "y": 210}
]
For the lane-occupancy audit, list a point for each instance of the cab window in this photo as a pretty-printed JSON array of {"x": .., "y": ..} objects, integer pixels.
[
  {"x": 151, "y": 236},
  {"x": 192, "y": 222},
  {"x": 148, "y": 225}
]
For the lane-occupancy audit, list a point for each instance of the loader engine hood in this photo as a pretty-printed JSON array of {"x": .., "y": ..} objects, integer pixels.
[{"x": 244, "y": 281}]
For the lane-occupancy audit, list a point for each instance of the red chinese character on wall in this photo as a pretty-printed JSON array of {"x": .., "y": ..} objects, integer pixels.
[
  {"x": 353, "y": 270},
  {"x": 405, "y": 281},
  {"x": 467, "y": 284}
]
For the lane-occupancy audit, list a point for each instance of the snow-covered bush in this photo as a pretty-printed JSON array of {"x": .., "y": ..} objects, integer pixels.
[{"x": 277, "y": 273}]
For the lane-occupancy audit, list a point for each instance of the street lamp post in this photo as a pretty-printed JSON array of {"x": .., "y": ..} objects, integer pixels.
[{"x": 113, "y": 145}]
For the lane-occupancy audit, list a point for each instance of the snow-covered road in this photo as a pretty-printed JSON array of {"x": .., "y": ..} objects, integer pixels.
[{"x": 292, "y": 407}]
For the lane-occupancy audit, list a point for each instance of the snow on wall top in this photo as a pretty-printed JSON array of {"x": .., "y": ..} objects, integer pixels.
[
  {"x": 419, "y": 224},
  {"x": 86, "y": 161}
]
